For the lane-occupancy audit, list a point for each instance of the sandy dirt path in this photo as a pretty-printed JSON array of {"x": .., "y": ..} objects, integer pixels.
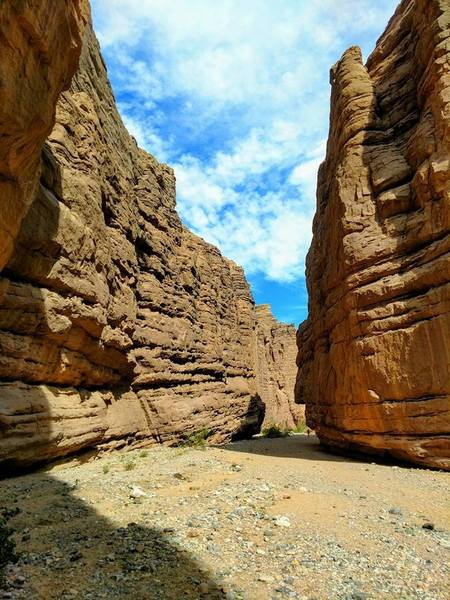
[{"x": 255, "y": 520}]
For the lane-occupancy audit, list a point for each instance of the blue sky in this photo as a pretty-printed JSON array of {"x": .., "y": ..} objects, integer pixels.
[{"x": 234, "y": 95}]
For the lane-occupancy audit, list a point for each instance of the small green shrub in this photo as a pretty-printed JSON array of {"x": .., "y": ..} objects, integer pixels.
[
  {"x": 301, "y": 427},
  {"x": 106, "y": 469},
  {"x": 197, "y": 439},
  {"x": 129, "y": 465},
  {"x": 275, "y": 431},
  {"x": 7, "y": 549},
  {"x": 143, "y": 454}
]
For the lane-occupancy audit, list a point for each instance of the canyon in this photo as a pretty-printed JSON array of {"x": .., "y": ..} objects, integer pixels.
[
  {"x": 135, "y": 365},
  {"x": 118, "y": 326},
  {"x": 374, "y": 354}
]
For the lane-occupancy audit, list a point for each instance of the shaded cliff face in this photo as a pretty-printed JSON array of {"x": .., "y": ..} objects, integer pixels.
[
  {"x": 374, "y": 355},
  {"x": 32, "y": 33},
  {"x": 116, "y": 322},
  {"x": 276, "y": 371}
]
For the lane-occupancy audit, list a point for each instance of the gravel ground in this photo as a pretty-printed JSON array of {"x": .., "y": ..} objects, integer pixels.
[{"x": 256, "y": 520}]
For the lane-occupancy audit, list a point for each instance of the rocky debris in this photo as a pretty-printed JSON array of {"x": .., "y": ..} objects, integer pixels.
[
  {"x": 137, "y": 492},
  {"x": 374, "y": 354},
  {"x": 282, "y": 521},
  {"x": 276, "y": 371},
  {"x": 214, "y": 534}
]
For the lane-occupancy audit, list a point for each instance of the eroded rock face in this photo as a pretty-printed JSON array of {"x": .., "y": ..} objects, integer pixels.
[
  {"x": 117, "y": 324},
  {"x": 276, "y": 371},
  {"x": 32, "y": 33},
  {"x": 374, "y": 354}
]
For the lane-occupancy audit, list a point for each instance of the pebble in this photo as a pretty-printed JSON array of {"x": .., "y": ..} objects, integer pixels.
[
  {"x": 137, "y": 492},
  {"x": 282, "y": 521},
  {"x": 219, "y": 540},
  {"x": 395, "y": 511},
  {"x": 193, "y": 533}
]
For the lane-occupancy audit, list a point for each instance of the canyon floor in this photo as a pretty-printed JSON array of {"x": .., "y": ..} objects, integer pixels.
[{"x": 260, "y": 519}]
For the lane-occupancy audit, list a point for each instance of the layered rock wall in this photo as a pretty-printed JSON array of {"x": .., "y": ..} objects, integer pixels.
[
  {"x": 374, "y": 354},
  {"x": 117, "y": 324},
  {"x": 276, "y": 371},
  {"x": 32, "y": 33}
]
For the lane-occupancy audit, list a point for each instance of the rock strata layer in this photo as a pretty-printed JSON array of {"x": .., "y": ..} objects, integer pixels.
[
  {"x": 276, "y": 371},
  {"x": 32, "y": 33},
  {"x": 374, "y": 354},
  {"x": 117, "y": 324}
]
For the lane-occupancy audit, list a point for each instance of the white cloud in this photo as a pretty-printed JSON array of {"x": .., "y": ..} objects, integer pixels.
[
  {"x": 267, "y": 231},
  {"x": 235, "y": 96},
  {"x": 304, "y": 175}
]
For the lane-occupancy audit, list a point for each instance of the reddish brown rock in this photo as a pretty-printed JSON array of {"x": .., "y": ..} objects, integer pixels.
[
  {"x": 374, "y": 354},
  {"x": 276, "y": 371},
  {"x": 32, "y": 33},
  {"x": 117, "y": 324}
]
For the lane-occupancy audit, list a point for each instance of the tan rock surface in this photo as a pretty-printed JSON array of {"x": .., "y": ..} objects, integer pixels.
[
  {"x": 276, "y": 371},
  {"x": 117, "y": 324},
  {"x": 374, "y": 355},
  {"x": 32, "y": 32}
]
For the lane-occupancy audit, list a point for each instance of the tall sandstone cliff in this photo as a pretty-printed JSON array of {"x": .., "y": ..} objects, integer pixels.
[
  {"x": 117, "y": 324},
  {"x": 276, "y": 349},
  {"x": 374, "y": 354}
]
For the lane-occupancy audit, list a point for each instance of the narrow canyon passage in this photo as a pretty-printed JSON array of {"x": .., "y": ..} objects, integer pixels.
[
  {"x": 162, "y": 435},
  {"x": 135, "y": 331}
]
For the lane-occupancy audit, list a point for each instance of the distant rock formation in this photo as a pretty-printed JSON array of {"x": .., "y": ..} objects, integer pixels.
[
  {"x": 374, "y": 354},
  {"x": 117, "y": 324},
  {"x": 276, "y": 370}
]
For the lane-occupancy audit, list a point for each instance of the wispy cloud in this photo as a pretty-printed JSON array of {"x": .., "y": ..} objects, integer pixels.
[{"x": 235, "y": 96}]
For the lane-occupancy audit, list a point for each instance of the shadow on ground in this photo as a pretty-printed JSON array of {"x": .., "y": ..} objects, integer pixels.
[
  {"x": 69, "y": 551},
  {"x": 304, "y": 447}
]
